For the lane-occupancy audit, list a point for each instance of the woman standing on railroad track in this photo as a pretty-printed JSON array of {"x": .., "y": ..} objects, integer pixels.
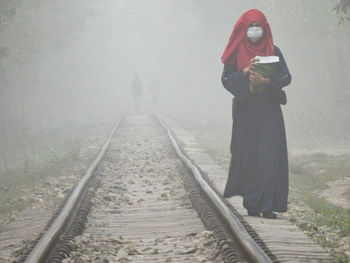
[{"x": 259, "y": 163}]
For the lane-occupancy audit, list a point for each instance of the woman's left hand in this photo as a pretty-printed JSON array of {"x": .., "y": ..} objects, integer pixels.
[{"x": 256, "y": 79}]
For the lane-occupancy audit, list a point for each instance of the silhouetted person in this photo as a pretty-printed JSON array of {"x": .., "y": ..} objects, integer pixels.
[
  {"x": 137, "y": 92},
  {"x": 153, "y": 92},
  {"x": 259, "y": 163}
]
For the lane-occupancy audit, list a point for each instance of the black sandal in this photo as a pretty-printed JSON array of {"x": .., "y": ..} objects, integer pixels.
[{"x": 251, "y": 213}]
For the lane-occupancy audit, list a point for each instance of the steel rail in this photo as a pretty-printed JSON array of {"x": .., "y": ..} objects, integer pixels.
[
  {"x": 46, "y": 242},
  {"x": 243, "y": 237}
]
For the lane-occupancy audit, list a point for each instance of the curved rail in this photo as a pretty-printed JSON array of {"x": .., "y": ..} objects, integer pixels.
[
  {"x": 246, "y": 241},
  {"x": 48, "y": 239}
]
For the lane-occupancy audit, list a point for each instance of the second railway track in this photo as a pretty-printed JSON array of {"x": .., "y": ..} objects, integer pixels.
[{"x": 141, "y": 211}]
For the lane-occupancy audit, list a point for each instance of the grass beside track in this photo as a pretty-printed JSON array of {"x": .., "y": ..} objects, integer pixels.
[
  {"x": 318, "y": 169},
  {"x": 15, "y": 180},
  {"x": 19, "y": 181},
  {"x": 310, "y": 175},
  {"x": 26, "y": 165}
]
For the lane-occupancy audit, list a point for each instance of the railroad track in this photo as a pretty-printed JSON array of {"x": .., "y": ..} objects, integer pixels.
[{"x": 139, "y": 196}]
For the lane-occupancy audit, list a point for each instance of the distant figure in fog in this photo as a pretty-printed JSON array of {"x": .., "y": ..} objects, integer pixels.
[
  {"x": 259, "y": 162},
  {"x": 137, "y": 92},
  {"x": 153, "y": 92}
]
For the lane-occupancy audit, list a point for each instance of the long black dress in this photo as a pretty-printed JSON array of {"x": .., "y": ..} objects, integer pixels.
[{"x": 259, "y": 163}]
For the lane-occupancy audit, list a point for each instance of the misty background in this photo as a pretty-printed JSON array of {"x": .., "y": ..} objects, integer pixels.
[{"x": 71, "y": 63}]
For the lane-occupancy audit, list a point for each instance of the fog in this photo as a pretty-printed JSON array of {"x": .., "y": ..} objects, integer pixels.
[
  {"x": 68, "y": 70},
  {"x": 73, "y": 62}
]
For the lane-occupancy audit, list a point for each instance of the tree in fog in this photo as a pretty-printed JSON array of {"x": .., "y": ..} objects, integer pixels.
[
  {"x": 343, "y": 11},
  {"x": 31, "y": 33}
]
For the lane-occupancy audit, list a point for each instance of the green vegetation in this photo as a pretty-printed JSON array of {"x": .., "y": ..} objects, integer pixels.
[
  {"x": 28, "y": 163},
  {"x": 18, "y": 181},
  {"x": 312, "y": 172},
  {"x": 331, "y": 215},
  {"x": 306, "y": 182},
  {"x": 309, "y": 175}
]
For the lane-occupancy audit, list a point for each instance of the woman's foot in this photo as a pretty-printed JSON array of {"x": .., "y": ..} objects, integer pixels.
[
  {"x": 251, "y": 213},
  {"x": 269, "y": 214}
]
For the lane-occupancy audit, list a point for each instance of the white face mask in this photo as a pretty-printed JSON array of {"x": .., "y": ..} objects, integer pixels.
[{"x": 254, "y": 33}]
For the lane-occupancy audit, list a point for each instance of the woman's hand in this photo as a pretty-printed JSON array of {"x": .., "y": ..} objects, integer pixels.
[
  {"x": 256, "y": 79},
  {"x": 252, "y": 65}
]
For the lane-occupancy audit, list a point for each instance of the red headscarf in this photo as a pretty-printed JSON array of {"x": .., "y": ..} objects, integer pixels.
[{"x": 239, "y": 49}]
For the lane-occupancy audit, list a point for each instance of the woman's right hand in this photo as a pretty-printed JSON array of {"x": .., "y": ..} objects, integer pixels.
[{"x": 252, "y": 65}]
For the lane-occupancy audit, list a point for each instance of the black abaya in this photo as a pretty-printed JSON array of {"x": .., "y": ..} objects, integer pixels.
[{"x": 259, "y": 163}]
